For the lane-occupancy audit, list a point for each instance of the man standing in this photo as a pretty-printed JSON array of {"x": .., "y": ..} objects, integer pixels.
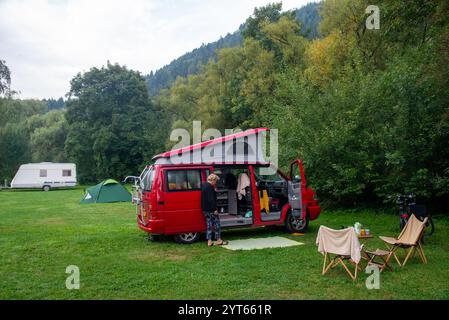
[{"x": 210, "y": 210}]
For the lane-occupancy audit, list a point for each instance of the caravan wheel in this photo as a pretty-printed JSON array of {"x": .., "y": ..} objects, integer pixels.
[{"x": 46, "y": 188}]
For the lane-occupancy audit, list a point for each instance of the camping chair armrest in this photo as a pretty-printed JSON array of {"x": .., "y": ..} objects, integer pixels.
[{"x": 389, "y": 240}]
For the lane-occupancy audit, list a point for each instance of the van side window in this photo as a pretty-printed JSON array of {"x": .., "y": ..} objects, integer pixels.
[
  {"x": 66, "y": 173},
  {"x": 43, "y": 173},
  {"x": 194, "y": 179},
  {"x": 148, "y": 179},
  {"x": 183, "y": 180}
]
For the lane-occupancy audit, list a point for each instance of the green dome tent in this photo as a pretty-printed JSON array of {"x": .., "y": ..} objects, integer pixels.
[{"x": 105, "y": 192}]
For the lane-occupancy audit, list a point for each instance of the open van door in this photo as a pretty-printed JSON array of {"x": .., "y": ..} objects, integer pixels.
[{"x": 297, "y": 221}]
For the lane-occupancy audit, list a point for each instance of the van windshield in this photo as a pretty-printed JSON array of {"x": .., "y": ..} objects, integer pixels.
[{"x": 147, "y": 179}]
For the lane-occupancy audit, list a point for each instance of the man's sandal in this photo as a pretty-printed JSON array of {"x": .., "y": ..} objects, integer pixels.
[{"x": 223, "y": 243}]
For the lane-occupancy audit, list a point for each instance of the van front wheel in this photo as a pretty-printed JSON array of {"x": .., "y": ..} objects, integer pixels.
[
  {"x": 187, "y": 238},
  {"x": 296, "y": 225},
  {"x": 46, "y": 188}
]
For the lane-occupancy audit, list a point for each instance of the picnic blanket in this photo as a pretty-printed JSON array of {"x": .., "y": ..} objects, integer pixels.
[{"x": 261, "y": 243}]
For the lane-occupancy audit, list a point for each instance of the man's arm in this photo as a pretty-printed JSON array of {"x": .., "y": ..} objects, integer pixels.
[{"x": 213, "y": 199}]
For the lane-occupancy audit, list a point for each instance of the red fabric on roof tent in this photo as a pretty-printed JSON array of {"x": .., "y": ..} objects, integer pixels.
[{"x": 250, "y": 141}]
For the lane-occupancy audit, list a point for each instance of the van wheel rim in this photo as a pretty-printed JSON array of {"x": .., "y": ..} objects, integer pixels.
[
  {"x": 297, "y": 223},
  {"x": 188, "y": 236}
]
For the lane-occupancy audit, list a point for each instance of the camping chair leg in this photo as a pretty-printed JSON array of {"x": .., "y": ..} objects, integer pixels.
[
  {"x": 410, "y": 251},
  {"x": 365, "y": 255},
  {"x": 421, "y": 252},
  {"x": 393, "y": 249},
  {"x": 414, "y": 254},
  {"x": 324, "y": 263},
  {"x": 396, "y": 256},
  {"x": 387, "y": 262},
  {"x": 335, "y": 264},
  {"x": 353, "y": 277},
  {"x": 329, "y": 262}
]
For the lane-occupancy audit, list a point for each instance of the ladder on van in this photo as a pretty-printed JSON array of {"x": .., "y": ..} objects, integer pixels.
[{"x": 136, "y": 192}]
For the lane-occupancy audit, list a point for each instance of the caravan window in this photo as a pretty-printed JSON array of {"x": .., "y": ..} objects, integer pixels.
[
  {"x": 66, "y": 173},
  {"x": 43, "y": 173}
]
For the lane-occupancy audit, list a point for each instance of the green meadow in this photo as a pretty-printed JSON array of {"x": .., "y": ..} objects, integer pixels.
[{"x": 41, "y": 233}]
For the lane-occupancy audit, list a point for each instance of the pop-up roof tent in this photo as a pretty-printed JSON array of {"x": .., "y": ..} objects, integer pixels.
[
  {"x": 105, "y": 192},
  {"x": 246, "y": 147}
]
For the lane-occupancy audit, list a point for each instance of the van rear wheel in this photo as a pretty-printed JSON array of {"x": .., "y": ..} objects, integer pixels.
[
  {"x": 46, "y": 188},
  {"x": 187, "y": 238}
]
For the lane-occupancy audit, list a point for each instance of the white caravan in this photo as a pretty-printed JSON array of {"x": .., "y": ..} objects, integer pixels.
[{"x": 45, "y": 175}]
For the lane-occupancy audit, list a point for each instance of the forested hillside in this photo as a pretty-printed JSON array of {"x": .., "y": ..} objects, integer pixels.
[
  {"x": 367, "y": 110},
  {"x": 191, "y": 62},
  {"x": 54, "y": 104}
]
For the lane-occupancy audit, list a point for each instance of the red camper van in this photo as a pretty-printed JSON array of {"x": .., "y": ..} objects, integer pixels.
[{"x": 168, "y": 195}]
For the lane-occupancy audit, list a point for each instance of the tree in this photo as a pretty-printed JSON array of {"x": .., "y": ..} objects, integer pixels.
[
  {"x": 111, "y": 123},
  {"x": 5, "y": 79},
  {"x": 55, "y": 104},
  {"x": 48, "y": 134},
  {"x": 15, "y": 149},
  {"x": 16, "y": 110},
  {"x": 261, "y": 16},
  {"x": 370, "y": 121}
]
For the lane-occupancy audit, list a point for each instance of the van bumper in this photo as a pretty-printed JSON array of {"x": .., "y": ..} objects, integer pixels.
[
  {"x": 153, "y": 226},
  {"x": 314, "y": 212}
]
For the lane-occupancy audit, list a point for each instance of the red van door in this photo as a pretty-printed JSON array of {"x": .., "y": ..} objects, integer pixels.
[
  {"x": 296, "y": 186},
  {"x": 182, "y": 200},
  {"x": 147, "y": 195},
  {"x": 309, "y": 205}
]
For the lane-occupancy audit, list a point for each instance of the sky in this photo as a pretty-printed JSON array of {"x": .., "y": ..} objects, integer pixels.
[{"x": 45, "y": 43}]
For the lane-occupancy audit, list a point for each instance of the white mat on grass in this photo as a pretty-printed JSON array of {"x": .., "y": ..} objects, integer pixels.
[{"x": 261, "y": 243}]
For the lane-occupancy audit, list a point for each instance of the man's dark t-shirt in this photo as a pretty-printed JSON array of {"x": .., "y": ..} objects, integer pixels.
[{"x": 208, "y": 198}]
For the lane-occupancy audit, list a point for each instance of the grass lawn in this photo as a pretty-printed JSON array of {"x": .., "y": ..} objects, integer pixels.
[{"x": 42, "y": 233}]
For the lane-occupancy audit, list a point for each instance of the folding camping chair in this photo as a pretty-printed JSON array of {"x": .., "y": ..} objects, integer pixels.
[
  {"x": 345, "y": 247},
  {"x": 409, "y": 240},
  {"x": 380, "y": 258}
]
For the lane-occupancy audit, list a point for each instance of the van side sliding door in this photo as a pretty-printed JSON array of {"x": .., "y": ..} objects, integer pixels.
[{"x": 182, "y": 200}]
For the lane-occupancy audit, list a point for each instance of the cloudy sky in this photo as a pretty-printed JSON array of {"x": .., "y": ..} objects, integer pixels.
[{"x": 46, "y": 42}]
